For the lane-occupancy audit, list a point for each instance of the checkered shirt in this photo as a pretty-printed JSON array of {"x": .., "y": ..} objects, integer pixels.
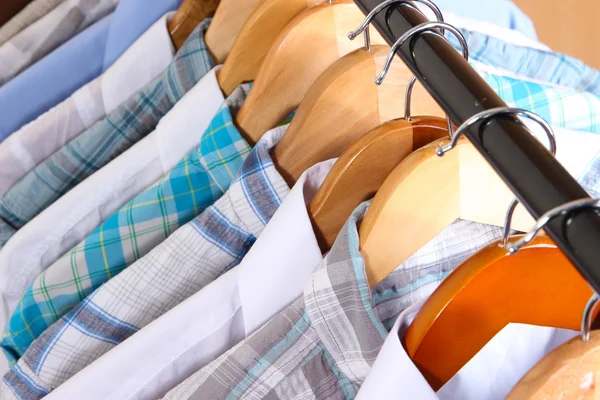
[
  {"x": 195, "y": 183},
  {"x": 323, "y": 345},
  {"x": 195, "y": 255},
  {"x": 542, "y": 65},
  {"x": 121, "y": 129},
  {"x": 47, "y": 33}
]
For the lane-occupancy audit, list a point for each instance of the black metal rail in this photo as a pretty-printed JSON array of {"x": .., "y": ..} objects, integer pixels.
[{"x": 538, "y": 180}]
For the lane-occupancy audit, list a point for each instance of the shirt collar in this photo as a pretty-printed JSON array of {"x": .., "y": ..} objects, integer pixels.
[
  {"x": 222, "y": 144},
  {"x": 273, "y": 273},
  {"x": 191, "y": 63}
]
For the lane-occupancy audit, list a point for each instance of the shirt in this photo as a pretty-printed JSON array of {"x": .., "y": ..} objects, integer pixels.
[
  {"x": 503, "y": 13},
  {"x": 78, "y": 61},
  {"x": 490, "y": 374},
  {"x": 188, "y": 260},
  {"x": 74, "y": 216},
  {"x": 27, "y": 16},
  {"x": 269, "y": 278},
  {"x": 36, "y": 141},
  {"x": 49, "y": 32},
  {"x": 10, "y": 8},
  {"x": 195, "y": 183},
  {"x": 293, "y": 353},
  {"x": 122, "y": 128}
]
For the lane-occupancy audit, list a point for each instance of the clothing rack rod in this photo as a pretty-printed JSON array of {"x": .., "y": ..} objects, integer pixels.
[{"x": 538, "y": 180}]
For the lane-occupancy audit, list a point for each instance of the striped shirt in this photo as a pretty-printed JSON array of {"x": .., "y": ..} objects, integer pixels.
[
  {"x": 195, "y": 183},
  {"x": 94, "y": 148},
  {"x": 195, "y": 255}
]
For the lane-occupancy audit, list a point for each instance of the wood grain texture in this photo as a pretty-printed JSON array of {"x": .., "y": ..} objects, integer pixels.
[
  {"x": 187, "y": 18},
  {"x": 569, "y": 27}
]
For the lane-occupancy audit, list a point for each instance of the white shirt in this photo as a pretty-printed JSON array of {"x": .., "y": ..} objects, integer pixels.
[
  {"x": 75, "y": 215},
  {"x": 191, "y": 335},
  {"x": 490, "y": 375},
  {"x": 140, "y": 64}
]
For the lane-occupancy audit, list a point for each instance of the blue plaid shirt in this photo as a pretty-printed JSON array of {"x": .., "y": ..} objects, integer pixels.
[
  {"x": 195, "y": 255},
  {"x": 195, "y": 183},
  {"x": 105, "y": 140}
]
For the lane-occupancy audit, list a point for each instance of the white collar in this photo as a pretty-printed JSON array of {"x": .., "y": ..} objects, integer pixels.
[
  {"x": 491, "y": 374},
  {"x": 273, "y": 273}
]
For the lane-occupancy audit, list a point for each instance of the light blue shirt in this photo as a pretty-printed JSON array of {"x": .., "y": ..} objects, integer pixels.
[
  {"x": 83, "y": 58},
  {"x": 499, "y": 12}
]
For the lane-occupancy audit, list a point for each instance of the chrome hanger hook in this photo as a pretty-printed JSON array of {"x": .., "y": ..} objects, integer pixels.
[
  {"x": 588, "y": 315},
  {"x": 364, "y": 26},
  {"x": 426, "y": 26},
  {"x": 567, "y": 208},
  {"x": 495, "y": 112}
]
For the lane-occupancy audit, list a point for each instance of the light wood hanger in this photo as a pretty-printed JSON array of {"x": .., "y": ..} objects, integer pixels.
[
  {"x": 571, "y": 371},
  {"x": 188, "y": 16},
  {"x": 346, "y": 92},
  {"x": 259, "y": 34},
  {"x": 363, "y": 167},
  {"x": 536, "y": 286},
  {"x": 230, "y": 17},
  {"x": 311, "y": 43},
  {"x": 424, "y": 195}
]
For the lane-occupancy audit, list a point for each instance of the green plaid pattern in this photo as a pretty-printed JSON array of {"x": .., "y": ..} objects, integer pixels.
[
  {"x": 96, "y": 147},
  {"x": 194, "y": 184}
]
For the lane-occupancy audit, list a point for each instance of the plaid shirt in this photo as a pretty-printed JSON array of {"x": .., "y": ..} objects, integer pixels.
[
  {"x": 323, "y": 345},
  {"x": 533, "y": 63},
  {"x": 97, "y": 146},
  {"x": 49, "y": 32},
  {"x": 195, "y": 183},
  {"x": 188, "y": 260},
  {"x": 27, "y": 16},
  {"x": 6, "y": 231}
]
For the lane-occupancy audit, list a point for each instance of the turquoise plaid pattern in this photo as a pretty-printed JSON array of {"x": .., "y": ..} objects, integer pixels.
[
  {"x": 533, "y": 63},
  {"x": 197, "y": 181},
  {"x": 105, "y": 140}
]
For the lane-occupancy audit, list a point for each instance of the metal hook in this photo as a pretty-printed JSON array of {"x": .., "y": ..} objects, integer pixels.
[
  {"x": 513, "y": 248},
  {"x": 426, "y": 26},
  {"x": 364, "y": 26},
  {"x": 494, "y": 112},
  {"x": 588, "y": 314}
]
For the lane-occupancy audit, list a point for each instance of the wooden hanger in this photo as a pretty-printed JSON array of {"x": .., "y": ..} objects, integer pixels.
[
  {"x": 256, "y": 38},
  {"x": 345, "y": 92},
  {"x": 536, "y": 286},
  {"x": 363, "y": 167},
  {"x": 311, "y": 43},
  {"x": 424, "y": 195},
  {"x": 188, "y": 16},
  {"x": 571, "y": 371}
]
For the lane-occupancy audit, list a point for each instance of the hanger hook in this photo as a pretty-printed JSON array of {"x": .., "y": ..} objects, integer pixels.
[
  {"x": 566, "y": 208},
  {"x": 364, "y": 26},
  {"x": 426, "y": 26},
  {"x": 588, "y": 315}
]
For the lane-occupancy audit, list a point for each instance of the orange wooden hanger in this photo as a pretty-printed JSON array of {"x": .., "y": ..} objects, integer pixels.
[
  {"x": 188, "y": 16},
  {"x": 363, "y": 167},
  {"x": 308, "y": 45},
  {"x": 571, "y": 371},
  {"x": 254, "y": 41},
  {"x": 426, "y": 193}
]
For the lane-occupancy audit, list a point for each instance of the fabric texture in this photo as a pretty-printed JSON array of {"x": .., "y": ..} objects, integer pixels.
[
  {"x": 533, "y": 63},
  {"x": 78, "y": 61},
  {"x": 195, "y": 183},
  {"x": 269, "y": 278},
  {"x": 323, "y": 345},
  {"x": 96, "y": 147},
  {"x": 192, "y": 257},
  {"x": 140, "y": 64},
  {"x": 74, "y": 216},
  {"x": 8, "y": 9},
  {"x": 27, "y": 16},
  {"x": 49, "y": 32}
]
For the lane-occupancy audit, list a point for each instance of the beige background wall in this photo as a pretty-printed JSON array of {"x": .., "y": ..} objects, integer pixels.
[{"x": 567, "y": 26}]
